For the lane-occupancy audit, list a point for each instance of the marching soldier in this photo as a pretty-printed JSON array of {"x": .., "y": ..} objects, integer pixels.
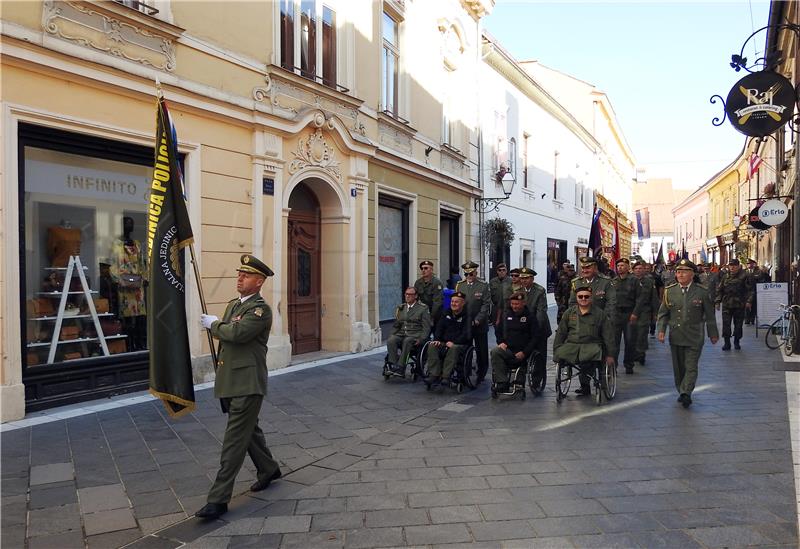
[
  {"x": 629, "y": 297},
  {"x": 644, "y": 311},
  {"x": 709, "y": 279},
  {"x": 604, "y": 296},
  {"x": 241, "y": 384},
  {"x": 429, "y": 289},
  {"x": 476, "y": 293},
  {"x": 686, "y": 307},
  {"x": 497, "y": 288},
  {"x": 563, "y": 287},
  {"x": 411, "y": 326},
  {"x": 536, "y": 301},
  {"x": 735, "y": 295}
]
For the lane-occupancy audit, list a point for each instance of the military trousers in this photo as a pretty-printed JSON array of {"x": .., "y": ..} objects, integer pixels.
[
  {"x": 684, "y": 367},
  {"x": 442, "y": 360},
  {"x": 642, "y": 329},
  {"x": 503, "y": 364},
  {"x": 735, "y": 316},
  {"x": 751, "y": 314},
  {"x": 242, "y": 437},
  {"x": 480, "y": 339},
  {"x": 402, "y": 346},
  {"x": 623, "y": 329}
]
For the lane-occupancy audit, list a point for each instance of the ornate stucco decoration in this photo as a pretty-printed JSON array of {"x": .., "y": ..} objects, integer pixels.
[
  {"x": 100, "y": 28},
  {"x": 394, "y": 134},
  {"x": 452, "y": 161},
  {"x": 453, "y": 43},
  {"x": 478, "y": 8},
  {"x": 289, "y": 94},
  {"x": 315, "y": 151}
]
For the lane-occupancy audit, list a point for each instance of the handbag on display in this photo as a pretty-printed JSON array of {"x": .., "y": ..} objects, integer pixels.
[
  {"x": 130, "y": 281},
  {"x": 110, "y": 326}
]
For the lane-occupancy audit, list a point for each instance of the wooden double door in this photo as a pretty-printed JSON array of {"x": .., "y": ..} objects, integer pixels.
[{"x": 304, "y": 281}]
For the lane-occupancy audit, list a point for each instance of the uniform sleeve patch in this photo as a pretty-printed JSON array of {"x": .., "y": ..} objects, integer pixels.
[{"x": 258, "y": 311}]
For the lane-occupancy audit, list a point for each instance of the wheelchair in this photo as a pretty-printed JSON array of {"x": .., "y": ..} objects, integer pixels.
[
  {"x": 601, "y": 375},
  {"x": 516, "y": 381},
  {"x": 465, "y": 374},
  {"x": 536, "y": 383},
  {"x": 415, "y": 361}
]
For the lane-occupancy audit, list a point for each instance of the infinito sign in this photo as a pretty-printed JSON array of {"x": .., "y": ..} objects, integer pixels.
[
  {"x": 773, "y": 212},
  {"x": 760, "y": 103}
]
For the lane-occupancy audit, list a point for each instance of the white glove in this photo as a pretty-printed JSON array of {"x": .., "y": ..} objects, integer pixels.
[{"x": 208, "y": 320}]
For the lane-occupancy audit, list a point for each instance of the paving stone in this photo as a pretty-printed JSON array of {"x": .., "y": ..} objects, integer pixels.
[
  {"x": 13, "y": 535},
  {"x": 149, "y": 525},
  {"x": 396, "y": 517},
  {"x": 463, "y": 483},
  {"x": 727, "y": 536},
  {"x": 371, "y": 503},
  {"x": 54, "y": 520},
  {"x": 152, "y": 504},
  {"x": 283, "y": 525},
  {"x": 435, "y": 534},
  {"x": 102, "y": 498},
  {"x": 360, "y": 489},
  {"x": 69, "y": 540},
  {"x": 309, "y": 475},
  {"x": 321, "y": 540},
  {"x": 455, "y": 513},
  {"x": 48, "y": 495},
  {"x": 668, "y": 540},
  {"x": 338, "y": 521},
  {"x": 605, "y": 541},
  {"x": 53, "y": 472},
  {"x": 510, "y": 511},
  {"x": 337, "y": 461},
  {"x": 241, "y": 527},
  {"x": 208, "y": 542},
  {"x": 374, "y": 537},
  {"x": 153, "y": 542},
  {"x": 108, "y": 521},
  {"x": 500, "y": 530},
  {"x": 326, "y": 505}
]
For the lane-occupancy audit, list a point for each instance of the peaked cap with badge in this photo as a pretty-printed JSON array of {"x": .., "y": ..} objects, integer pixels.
[
  {"x": 470, "y": 267},
  {"x": 525, "y": 272},
  {"x": 251, "y": 264},
  {"x": 685, "y": 265},
  {"x": 587, "y": 261}
]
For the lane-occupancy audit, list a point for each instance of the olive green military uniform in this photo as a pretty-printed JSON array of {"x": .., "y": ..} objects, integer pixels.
[
  {"x": 411, "y": 326},
  {"x": 478, "y": 304},
  {"x": 710, "y": 281},
  {"x": 685, "y": 312},
  {"x": 734, "y": 292},
  {"x": 497, "y": 292},
  {"x": 563, "y": 287},
  {"x": 644, "y": 310},
  {"x": 583, "y": 338},
  {"x": 604, "y": 295},
  {"x": 536, "y": 302},
  {"x": 241, "y": 382},
  {"x": 628, "y": 297},
  {"x": 430, "y": 293}
]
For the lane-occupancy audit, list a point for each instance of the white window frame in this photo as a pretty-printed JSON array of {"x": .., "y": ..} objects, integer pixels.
[
  {"x": 319, "y": 6},
  {"x": 387, "y": 49}
]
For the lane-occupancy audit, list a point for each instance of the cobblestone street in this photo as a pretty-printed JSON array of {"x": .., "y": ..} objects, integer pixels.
[{"x": 369, "y": 463}]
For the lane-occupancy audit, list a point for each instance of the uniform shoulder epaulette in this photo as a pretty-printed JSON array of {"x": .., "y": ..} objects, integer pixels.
[
  {"x": 601, "y": 275},
  {"x": 671, "y": 285}
]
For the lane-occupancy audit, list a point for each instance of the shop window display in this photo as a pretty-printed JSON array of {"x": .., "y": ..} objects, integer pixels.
[{"x": 85, "y": 261}]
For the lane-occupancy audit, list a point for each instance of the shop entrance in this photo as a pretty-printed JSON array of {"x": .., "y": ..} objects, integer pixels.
[{"x": 304, "y": 270}]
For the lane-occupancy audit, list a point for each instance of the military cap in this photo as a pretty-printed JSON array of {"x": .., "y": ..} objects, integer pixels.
[
  {"x": 525, "y": 272},
  {"x": 641, "y": 262},
  {"x": 517, "y": 296},
  {"x": 514, "y": 271},
  {"x": 570, "y": 266},
  {"x": 583, "y": 288},
  {"x": 501, "y": 266},
  {"x": 734, "y": 261},
  {"x": 588, "y": 261},
  {"x": 251, "y": 264},
  {"x": 624, "y": 260},
  {"x": 470, "y": 267},
  {"x": 751, "y": 260},
  {"x": 425, "y": 263},
  {"x": 685, "y": 265},
  {"x": 462, "y": 295}
]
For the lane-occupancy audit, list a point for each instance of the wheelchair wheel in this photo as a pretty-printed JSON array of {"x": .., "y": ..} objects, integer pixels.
[
  {"x": 386, "y": 373},
  {"x": 470, "y": 368},
  {"x": 421, "y": 370},
  {"x": 608, "y": 380},
  {"x": 536, "y": 383},
  {"x": 460, "y": 388},
  {"x": 563, "y": 378}
]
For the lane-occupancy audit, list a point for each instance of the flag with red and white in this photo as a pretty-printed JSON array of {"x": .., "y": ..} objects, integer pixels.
[{"x": 755, "y": 164}]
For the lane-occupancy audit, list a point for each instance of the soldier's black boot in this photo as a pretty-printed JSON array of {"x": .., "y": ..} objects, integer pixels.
[
  {"x": 727, "y": 346},
  {"x": 736, "y": 344}
]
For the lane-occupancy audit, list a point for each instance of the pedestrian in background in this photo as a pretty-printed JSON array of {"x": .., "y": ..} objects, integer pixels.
[
  {"x": 644, "y": 312},
  {"x": 686, "y": 309},
  {"x": 563, "y": 287},
  {"x": 735, "y": 297},
  {"x": 497, "y": 289},
  {"x": 241, "y": 383},
  {"x": 429, "y": 290},
  {"x": 628, "y": 297}
]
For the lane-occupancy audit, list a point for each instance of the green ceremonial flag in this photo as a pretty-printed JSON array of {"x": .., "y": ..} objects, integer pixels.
[{"x": 168, "y": 232}]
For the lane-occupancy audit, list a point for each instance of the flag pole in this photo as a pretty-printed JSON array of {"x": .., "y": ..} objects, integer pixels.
[{"x": 203, "y": 304}]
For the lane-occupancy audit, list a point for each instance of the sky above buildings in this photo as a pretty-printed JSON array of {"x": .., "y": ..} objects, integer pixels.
[{"x": 658, "y": 61}]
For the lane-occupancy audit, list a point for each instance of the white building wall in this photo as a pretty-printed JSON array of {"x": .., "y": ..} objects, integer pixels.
[{"x": 690, "y": 224}]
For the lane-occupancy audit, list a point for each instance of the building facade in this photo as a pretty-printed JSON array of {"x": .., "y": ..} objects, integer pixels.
[
  {"x": 655, "y": 198},
  {"x": 691, "y": 225},
  {"x": 313, "y": 135}
]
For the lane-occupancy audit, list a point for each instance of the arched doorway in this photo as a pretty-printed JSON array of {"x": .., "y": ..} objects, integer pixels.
[{"x": 304, "y": 270}]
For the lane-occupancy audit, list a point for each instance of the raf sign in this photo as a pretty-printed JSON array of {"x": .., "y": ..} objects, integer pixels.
[
  {"x": 773, "y": 212},
  {"x": 760, "y": 103}
]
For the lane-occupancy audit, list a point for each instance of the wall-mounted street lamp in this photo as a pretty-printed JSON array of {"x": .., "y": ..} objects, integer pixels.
[{"x": 485, "y": 205}]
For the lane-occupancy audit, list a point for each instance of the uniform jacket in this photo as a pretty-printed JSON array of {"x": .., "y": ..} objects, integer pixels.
[
  {"x": 628, "y": 293},
  {"x": 412, "y": 322},
  {"x": 430, "y": 293},
  {"x": 604, "y": 294},
  {"x": 685, "y": 315},
  {"x": 536, "y": 301},
  {"x": 649, "y": 301},
  {"x": 563, "y": 287},
  {"x": 518, "y": 331},
  {"x": 710, "y": 281},
  {"x": 478, "y": 303},
  {"x": 497, "y": 289},
  {"x": 583, "y": 337},
  {"x": 735, "y": 291},
  {"x": 455, "y": 328},
  {"x": 243, "y": 333}
]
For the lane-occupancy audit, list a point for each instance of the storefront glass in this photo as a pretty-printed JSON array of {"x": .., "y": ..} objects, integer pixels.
[{"x": 85, "y": 258}]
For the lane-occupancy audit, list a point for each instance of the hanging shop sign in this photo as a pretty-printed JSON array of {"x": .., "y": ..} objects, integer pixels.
[
  {"x": 755, "y": 220},
  {"x": 773, "y": 212},
  {"x": 760, "y": 103}
]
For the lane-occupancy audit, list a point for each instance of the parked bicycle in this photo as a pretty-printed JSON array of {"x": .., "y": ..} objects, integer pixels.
[{"x": 785, "y": 329}]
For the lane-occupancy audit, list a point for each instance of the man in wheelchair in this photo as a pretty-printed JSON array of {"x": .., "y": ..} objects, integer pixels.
[
  {"x": 584, "y": 336},
  {"x": 411, "y": 327},
  {"x": 517, "y": 334},
  {"x": 453, "y": 334}
]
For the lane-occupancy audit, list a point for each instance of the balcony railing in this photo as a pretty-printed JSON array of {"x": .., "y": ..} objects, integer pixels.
[
  {"x": 324, "y": 81},
  {"x": 138, "y": 5}
]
